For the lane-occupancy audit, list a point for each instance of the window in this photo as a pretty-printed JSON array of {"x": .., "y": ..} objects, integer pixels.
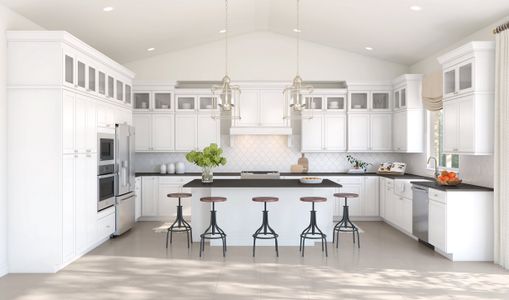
[{"x": 448, "y": 161}]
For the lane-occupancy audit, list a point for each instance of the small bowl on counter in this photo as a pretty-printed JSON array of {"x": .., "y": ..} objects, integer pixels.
[{"x": 311, "y": 180}]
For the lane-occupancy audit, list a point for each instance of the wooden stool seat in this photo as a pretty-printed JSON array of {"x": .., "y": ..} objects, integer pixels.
[
  {"x": 179, "y": 195},
  {"x": 346, "y": 195},
  {"x": 213, "y": 199},
  {"x": 313, "y": 199},
  {"x": 265, "y": 199}
]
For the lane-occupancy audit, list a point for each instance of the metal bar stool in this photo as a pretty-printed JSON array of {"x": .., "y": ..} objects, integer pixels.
[
  {"x": 180, "y": 225},
  {"x": 213, "y": 232},
  {"x": 265, "y": 232},
  {"x": 345, "y": 225},
  {"x": 312, "y": 231}
]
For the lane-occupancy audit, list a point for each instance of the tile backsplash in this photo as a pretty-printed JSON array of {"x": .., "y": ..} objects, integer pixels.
[{"x": 256, "y": 153}]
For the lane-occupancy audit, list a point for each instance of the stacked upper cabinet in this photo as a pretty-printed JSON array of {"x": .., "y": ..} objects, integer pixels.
[
  {"x": 323, "y": 125},
  {"x": 468, "y": 98},
  {"x": 408, "y": 116},
  {"x": 370, "y": 117}
]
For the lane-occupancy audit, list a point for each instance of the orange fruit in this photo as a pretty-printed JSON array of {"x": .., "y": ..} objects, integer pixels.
[
  {"x": 452, "y": 175},
  {"x": 444, "y": 173}
]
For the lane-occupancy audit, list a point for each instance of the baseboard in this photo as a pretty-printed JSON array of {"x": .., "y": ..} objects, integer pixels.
[
  {"x": 160, "y": 219},
  {"x": 359, "y": 219},
  {"x": 3, "y": 269}
]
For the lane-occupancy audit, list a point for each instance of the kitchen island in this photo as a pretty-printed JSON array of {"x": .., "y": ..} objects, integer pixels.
[{"x": 239, "y": 216}]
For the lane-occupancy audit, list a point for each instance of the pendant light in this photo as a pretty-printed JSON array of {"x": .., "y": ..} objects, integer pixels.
[
  {"x": 227, "y": 93},
  {"x": 294, "y": 94}
]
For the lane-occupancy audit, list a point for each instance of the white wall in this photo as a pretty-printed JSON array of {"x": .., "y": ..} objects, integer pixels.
[
  {"x": 473, "y": 169},
  {"x": 8, "y": 21},
  {"x": 264, "y": 56}
]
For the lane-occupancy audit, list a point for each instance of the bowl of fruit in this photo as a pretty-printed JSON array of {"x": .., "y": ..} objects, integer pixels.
[
  {"x": 311, "y": 180},
  {"x": 448, "y": 178}
]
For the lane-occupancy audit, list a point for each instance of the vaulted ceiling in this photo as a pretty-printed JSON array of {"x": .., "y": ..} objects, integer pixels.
[{"x": 394, "y": 31}]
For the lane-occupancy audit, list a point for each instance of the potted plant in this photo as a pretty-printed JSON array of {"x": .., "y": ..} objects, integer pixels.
[
  {"x": 358, "y": 165},
  {"x": 207, "y": 159}
]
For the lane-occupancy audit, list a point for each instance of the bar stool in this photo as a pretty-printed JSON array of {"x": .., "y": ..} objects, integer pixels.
[
  {"x": 265, "y": 232},
  {"x": 312, "y": 231},
  {"x": 213, "y": 232},
  {"x": 180, "y": 225},
  {"x": 345, "y": 225}
]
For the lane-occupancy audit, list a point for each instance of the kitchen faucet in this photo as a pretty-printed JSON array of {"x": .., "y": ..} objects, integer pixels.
[{"x": 436, "y": 165}]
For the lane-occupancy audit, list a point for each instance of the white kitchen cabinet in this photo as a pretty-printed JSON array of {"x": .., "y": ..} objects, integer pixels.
[
  {"x": 323, "y": 132},
  {"x": 371, "y": 202},
  {"x": 149, "y": 196},
  {"x": 68, "y": 208},
  {"x": 451, "y": 229},
  {"x": 143, "y": 126},
  {"x": 369, "y": 132},
  {"x": 354, "y": 204},
  {"x": 468, "y": 125},
  {"x": 382, "y": 192},
  {"x": 167, "y": 207},
  {"x": 406, "y": 220},
  {"x": 366, "y": 206},
  {"x": 408, "y": 131},
  {"x": 138, "y": 200},
  {"x": 79, "y": 124},
  {"x": 272, "y": 109},
  {"x": 162, "y": 132},
  {"x": 68, "y": 123},
  {"x": 208, "y": 130},
  {"x": 249, "y": 109},
  {"x": 358, "y": 132},
  {"x": 185, "y": 132}
]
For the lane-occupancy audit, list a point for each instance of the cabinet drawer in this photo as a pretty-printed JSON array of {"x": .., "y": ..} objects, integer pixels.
[
  {"x": 389, "y": 183},
  {"x": 437, "y": 195},
  {"x": 105, "y": 226}
]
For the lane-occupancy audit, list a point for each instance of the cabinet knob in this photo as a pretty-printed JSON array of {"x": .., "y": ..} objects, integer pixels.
[{"x": 75, "y": 151}]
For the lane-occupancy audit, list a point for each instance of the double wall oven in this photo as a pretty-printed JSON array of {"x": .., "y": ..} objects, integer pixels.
[{"x": 107, "y": 177}]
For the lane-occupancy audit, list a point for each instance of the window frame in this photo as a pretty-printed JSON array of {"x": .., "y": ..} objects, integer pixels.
[{"x": 431, "y": 137}]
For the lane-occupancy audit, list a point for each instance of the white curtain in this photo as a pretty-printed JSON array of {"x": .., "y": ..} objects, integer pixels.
[{"x": 501, "y": 207}]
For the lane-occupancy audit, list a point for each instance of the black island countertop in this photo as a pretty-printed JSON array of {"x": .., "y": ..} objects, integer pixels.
[
  {"x": 260, "y": 183},
  {"x": 463, "y": 187}
]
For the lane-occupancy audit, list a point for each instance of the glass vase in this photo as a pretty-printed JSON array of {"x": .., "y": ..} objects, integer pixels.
[{"x": 207, "y": 176}]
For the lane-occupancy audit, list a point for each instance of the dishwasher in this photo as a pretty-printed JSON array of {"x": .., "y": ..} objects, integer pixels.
[{"x": 420, "y": 211}]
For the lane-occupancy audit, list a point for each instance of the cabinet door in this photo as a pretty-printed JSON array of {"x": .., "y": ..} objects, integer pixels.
[
  {"x": 90, "y": 127},
  {"x": 354, "y": 204},
  {"x": 380, "y": 101},
  {"x": 185, "y": 132},
  {"x": 81, "y": 187},
  {"x": 381, "y": 132},
  {"x": 449, "y": 83},
  {"x": 111, "y": 87},
  {"x": 149, "y": 196},
  {"x": 143, "y": 126},
  {"x": 92, "y": 79},
  {"x": 68, "y": 122},
  {"x": 91, "y": 197},
  {"x": 407, "y": 215},
  {"x": 312, "y": 132},
  {"x": 167, "y": 207},
  {"x": 80, "y": 123},
  {"x": 69, "y": 69},
  {"x": 451, "y": 122},
  {"x": 68, "y": 208},
  {"x": 358, "y": 101},
  {"x": 81, "y": 74},
  {"x": 102, "y": 83},
  {"x": 335, "y": 132},
  {"x": 163, "y": 132},
  {"x": 272, "y": 109},
  {"x": 208, "y": 131},
  {"x": 465, "y": 76},
  {"x": 466, "y": 125},
  {"x": 358, "y": 132},
  {"x": 389, "y": 203},
  {"x": 381, "y": 192},
  {"x": 370, "y": 199},
  {"x": 137, "y": 203},
  {"x": 399, "y": 135},
  {"x": 249, "y": 109},
  {"x": 437, "y": 225}
]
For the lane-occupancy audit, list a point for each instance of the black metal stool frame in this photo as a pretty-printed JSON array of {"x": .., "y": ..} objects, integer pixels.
[
  {"x": 265, "y": 232},
  {"x": 313, "y": 232},
  {"x": 345, "y": 225},
  {"x": 213, "y": 232},
  {"x": 180, "y": 225}
]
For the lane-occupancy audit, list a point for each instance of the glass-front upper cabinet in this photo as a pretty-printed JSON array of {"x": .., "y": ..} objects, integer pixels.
[
  {"x": 186, "y": 103},
  {"x": 459, "y": 79},
  {"x": 82, "y": 74},
  {"x": 402, "y": 99},
  {"x": 128, "y": 94},
  {"x": 92, "y": 79},
  {"x": 111, "y": 87},
  {"x": 358, "y": 101},
  {"x": 465, "y": 76},
  {"x": 162, "y": 101},
  {"x": 314, "y": 102},
  {"x": 142, "y": 101},
  {"x": 380, "y": 101},
  {"x": 207, "y": 102},
  {"x": 396, "y": 99},
  {"x": 450, "y": 82},
  {"x": 336, "y": 102},
  {"x": 120, "y": 90},
  {"x": 102, "y": 83},
  {"x": 69, "y": 70}
]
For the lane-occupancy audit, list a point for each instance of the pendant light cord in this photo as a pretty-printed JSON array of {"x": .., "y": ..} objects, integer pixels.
[
  {"x": 226, "y": 38},
  {"x": 298, "y": 35}
]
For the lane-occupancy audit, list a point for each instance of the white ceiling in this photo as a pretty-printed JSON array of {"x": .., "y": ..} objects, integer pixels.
[{"x": 394, "y": 31}]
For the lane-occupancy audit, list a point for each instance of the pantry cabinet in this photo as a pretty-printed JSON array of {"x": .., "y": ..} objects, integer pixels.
[{"x": 323, "y": 132}]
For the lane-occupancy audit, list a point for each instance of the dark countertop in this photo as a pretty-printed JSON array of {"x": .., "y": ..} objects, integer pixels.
[
  {"x": 460, "y": 187},
  {"x": 322, "y": 174},
  {"x": 260, "y": 183}
]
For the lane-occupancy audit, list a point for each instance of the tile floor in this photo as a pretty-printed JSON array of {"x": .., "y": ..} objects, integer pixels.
[{"x": 389, "y": 265}]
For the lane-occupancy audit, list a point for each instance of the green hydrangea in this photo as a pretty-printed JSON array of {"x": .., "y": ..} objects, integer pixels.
[{"x": 209, "y": 157}]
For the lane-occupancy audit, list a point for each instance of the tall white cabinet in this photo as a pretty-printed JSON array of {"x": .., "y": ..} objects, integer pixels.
[
  {"x": 468, "y": 97},
  {"x": 58, "y": 100}
]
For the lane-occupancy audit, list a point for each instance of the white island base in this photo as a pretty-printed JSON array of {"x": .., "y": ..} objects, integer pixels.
[{"x": 240, "y": 217}]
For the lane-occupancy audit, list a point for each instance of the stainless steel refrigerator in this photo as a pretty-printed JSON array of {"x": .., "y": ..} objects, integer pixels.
[{"x": 124, "y": 166}]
